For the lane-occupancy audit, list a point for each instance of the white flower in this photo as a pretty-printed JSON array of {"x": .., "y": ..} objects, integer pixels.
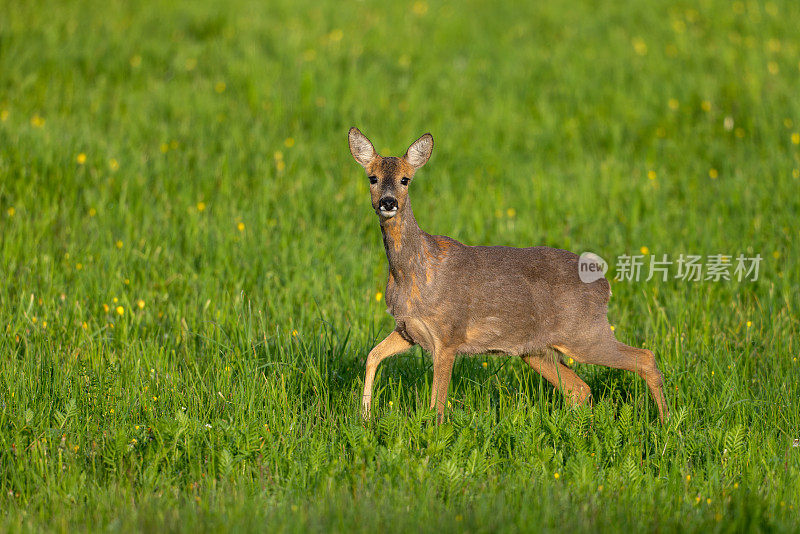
[{"x": 728, "y": 123}]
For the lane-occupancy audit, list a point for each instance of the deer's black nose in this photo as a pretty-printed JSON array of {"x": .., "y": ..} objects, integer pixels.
[{"x": 388, "y": 204}]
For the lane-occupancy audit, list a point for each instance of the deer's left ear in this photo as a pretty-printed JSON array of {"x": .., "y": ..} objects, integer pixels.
[{"x": 420, "y": 150}]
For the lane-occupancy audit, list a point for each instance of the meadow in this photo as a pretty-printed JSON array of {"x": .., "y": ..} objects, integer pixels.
[{"x": 191, "y": 273}]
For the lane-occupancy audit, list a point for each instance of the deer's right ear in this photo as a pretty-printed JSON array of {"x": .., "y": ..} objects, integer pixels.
[{"x": 360, "y": 147}]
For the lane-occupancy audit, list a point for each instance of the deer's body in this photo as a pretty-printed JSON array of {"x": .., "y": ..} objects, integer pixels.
[
  {"x": 447, "y": 293},
  {"x": 451, "y": 298}
]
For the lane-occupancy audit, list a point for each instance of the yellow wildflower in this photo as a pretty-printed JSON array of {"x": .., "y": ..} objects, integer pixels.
[
  {"x": 420, "y": 8},
  {"x": 772, "y": 67}
]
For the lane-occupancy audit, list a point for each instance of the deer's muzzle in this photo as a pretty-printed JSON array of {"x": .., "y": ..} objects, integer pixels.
[{"x": 387, "y": 206}]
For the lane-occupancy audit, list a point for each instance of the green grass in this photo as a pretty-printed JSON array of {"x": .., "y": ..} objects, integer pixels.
[{"x": 225, "y": 393}]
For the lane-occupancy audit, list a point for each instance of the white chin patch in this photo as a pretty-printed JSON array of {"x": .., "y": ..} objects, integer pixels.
[{"x": 387, "y": 214}]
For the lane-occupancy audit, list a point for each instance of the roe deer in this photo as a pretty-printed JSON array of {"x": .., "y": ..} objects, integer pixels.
[{"x": 451, "y": 298}]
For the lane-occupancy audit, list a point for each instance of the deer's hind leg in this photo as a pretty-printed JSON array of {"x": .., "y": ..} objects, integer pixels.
[
  {"x": 602, "y": 348},
  {"x": 562, "y": 377}
]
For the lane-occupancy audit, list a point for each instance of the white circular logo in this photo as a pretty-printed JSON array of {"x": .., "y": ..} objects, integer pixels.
[{"x": 591, "y": 267}]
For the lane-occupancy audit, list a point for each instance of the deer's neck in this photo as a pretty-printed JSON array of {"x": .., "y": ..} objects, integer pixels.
[{"x": 402, "y": 239}]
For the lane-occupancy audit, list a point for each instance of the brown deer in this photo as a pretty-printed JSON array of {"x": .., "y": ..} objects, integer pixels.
[{"x": 451, "y": 298}]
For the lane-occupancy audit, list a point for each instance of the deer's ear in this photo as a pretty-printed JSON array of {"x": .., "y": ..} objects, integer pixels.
[
  {"x": 360, "y": 147},
  {"x": 420, "y": 150}
]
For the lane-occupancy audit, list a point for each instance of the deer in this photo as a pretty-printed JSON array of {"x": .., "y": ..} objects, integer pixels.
[{"x": 455, "y": 299}]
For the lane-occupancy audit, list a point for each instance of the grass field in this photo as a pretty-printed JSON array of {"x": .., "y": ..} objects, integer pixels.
[{"x": 191, "y": 272}]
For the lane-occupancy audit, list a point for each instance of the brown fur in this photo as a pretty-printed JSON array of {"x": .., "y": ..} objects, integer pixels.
[{"x": 527, "y": 302}]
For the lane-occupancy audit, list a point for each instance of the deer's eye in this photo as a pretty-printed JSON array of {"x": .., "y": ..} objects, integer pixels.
[
  {"x": 373, "y": 180},
  {"x": 404, "y": 181}
]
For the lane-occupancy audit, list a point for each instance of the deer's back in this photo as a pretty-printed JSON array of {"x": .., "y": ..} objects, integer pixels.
[{"x": 497, "y": 299}]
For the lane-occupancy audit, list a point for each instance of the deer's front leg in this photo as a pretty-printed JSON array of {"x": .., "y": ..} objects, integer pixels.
[
  {"x": 443, "y": 360},
  {"x": 393, "y": 344}
]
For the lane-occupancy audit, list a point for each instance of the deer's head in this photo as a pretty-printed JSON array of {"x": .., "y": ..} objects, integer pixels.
[{"x": 389, "y": 176}]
